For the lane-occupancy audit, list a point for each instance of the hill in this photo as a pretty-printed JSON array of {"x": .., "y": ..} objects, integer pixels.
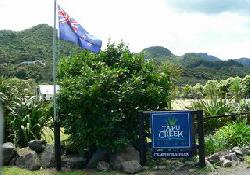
[
  {"x": 200, "y": 67},
  {"x": 244, "y": 61},
  {"x": 156, "y": 52},
  {"x": 28, "y": 53}
]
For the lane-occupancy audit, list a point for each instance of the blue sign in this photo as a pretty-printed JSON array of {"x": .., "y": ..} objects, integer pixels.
[{"x": 172, "y": 133}]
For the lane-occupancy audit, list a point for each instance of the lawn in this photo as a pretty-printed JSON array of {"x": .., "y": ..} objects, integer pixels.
[{"x": 19, "y": 171}]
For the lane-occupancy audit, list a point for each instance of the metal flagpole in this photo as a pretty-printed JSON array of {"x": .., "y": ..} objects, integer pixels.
[{"x": 56, "y": 118}]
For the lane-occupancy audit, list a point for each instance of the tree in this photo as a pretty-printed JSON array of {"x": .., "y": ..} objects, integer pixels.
[
  {"x": 211, "y": 88},
  {"x": 235, "y": 89},
  {"x": 101, "y": 95},
  {"x": 246, "y": 86},
  {"x": 197, "y": 91}
]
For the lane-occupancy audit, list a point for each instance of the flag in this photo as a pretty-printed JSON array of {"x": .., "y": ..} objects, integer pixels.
[{"x": 71, "y": 30}]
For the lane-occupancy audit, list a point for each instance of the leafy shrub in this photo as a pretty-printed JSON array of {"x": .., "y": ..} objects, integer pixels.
[
  {"x": 12, "y": 93},
  {"x": 233, "y": 134},
  {"x": 101, "y": 94},
  {"x": 28, "y": 119},
  {"x": 24, "y": 116},
  {"x": 212, "y": 107}
]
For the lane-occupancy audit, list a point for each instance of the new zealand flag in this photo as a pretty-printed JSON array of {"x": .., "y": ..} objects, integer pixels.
[{"x": 71, "y": 30}]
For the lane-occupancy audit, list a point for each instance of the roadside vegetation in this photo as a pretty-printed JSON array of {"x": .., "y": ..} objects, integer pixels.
[{"x": 101, "y": 94}]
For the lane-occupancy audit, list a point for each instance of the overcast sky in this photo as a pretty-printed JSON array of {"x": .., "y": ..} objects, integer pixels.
[{"x": 217, "y": 27}]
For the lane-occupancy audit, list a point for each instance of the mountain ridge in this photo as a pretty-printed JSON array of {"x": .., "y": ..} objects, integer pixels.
[{"x": 20, "y": 53}]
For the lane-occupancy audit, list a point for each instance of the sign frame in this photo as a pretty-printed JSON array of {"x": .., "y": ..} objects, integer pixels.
[
  {"x": 171, "y": 146},
  {"x": 197, "y": 135}
]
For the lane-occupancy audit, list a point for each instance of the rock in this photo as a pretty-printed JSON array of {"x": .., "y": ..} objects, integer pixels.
[
  {"x": 9, "y": 152},
  {"x": 222, "y": 159},
  {"x": 13, "y": 160},
  {"x": 189, "y": 163},
  {"x": 238, "y": 151},
  {"x": 145, "y": 168},
  {"x": 227, "y": 163},
  {"x": 99, "y": 155},
  {"x": 48, "y": 156},
  {"x": 37, "y": 145},
  {"x": 28, "y": 159},
  {"x": 209, "y": 165},
  {"x": 131, "y": 167},
  {"x": 103, "y": 166},
  {"x": 215, "y": 158},
  {"x": 160, "y": 167},
  {"x": 246, "y": 151},
  {"x": 129, "y": 154},
  {"x": 74, "y": 161},
  {"x": 231, "y": 156},
  {"x": 192, "y": 170}
]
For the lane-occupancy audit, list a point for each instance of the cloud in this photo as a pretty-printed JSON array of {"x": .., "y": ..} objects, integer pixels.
[{"x": 211, "y": 6}]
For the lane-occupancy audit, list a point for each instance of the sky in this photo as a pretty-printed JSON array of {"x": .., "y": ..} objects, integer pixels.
[{"x": 217, "y": 27}]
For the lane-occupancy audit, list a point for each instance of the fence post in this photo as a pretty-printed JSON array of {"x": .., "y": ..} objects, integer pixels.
[
  {"x": 201, "y": 139},
  {"x": 142, "y": 139}
]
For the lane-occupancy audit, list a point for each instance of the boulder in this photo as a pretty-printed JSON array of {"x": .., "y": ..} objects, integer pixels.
[
  {"x": 246, "y": 151},
  {"x": 99, "y": 155},
  {"x": 131, "y": 167},
  {"x": 231, "y": 156},
  {"x": 48, "y": 156},
  {"x": 238, "y": 151},
  {"x": 227, "y": 163},
  {"x": 129, "y": 154},
  {"x": 28, "y": 159},
  {"x": 37, "y": 145},
  {"x": 214, "y": 158},
  {"x": 9, "y": 152},
  {"x": 74, "y": 161},
  {"x": 102, "y": 166}
]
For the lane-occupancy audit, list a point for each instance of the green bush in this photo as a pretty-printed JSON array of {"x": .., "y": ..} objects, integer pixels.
[
  {"x": 24, "y": 116},
  {"x": 28, "y": 120},
  {"x": 101, "y": 94},
  {"x": 212, "y": 107},
  {"x": 12, "y": 93},
  {"x": 233, "y": 134}
]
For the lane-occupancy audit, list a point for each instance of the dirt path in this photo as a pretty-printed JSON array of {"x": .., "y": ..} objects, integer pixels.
[{"x": 240, "y": 169}]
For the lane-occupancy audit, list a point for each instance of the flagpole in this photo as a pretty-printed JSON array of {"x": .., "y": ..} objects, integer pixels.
[{"x": 56, "y": 118}]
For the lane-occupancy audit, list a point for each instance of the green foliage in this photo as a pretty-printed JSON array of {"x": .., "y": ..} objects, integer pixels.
[
  {"x": 28, "y": 54},
  {"x": 157, "y": 52},
  {"x": 232, "y": 88},
  {"x": 28, "y": 120},
  {"x": 13, "y": 91},
  {"x": 101, "y": 94},
  {"x": 35, "y": 45},
  {"x": 212, "y": 107},
  {"x": 233, "y": 134},
  {"x": 24, "y": 117}
]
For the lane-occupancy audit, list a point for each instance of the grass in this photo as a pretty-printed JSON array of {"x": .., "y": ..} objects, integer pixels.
[
  {"x": 247, "y": 160},
  {"x": 48, "y": 135},
  {"x": 19, "y": 171}
]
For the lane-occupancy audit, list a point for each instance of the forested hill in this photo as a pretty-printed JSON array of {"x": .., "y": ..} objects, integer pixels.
[
  {"x": 28, "y": 54},
  {"x": 30, "y": 45},
  {"x": 199, "y": 67}
]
